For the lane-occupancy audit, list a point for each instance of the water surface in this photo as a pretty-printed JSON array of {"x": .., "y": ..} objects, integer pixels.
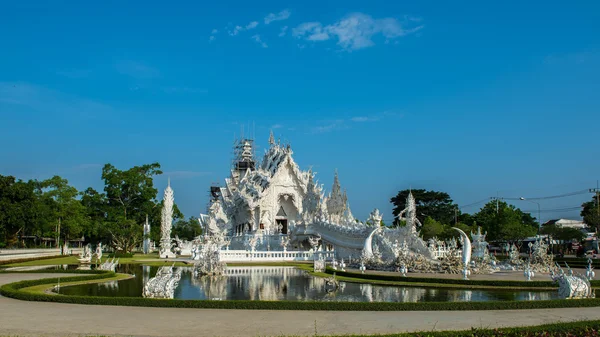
[{"x": 290, "y": 284}]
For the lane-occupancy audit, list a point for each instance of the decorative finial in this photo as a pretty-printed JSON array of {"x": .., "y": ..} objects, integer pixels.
[
  {"x": 271, "y": 138},
  {"x": 169, "y": 181}
]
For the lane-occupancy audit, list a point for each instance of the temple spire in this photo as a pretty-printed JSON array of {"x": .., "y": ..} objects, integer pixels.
[{"x": 271, "y": 138}]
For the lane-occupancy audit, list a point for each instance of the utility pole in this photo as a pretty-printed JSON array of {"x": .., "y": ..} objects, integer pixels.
[
  {"x": 497, "y": 198},
  {"x": 58, "y": 234},
  {"x": 597, "y": 191},
  {"x": 455, "y": 216}
]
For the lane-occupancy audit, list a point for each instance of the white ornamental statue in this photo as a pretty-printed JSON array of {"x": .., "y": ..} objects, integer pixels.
[{"x": 167, "y": 224}]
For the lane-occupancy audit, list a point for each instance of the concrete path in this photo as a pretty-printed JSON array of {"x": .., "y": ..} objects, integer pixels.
[{"x": 22, "y": 318}]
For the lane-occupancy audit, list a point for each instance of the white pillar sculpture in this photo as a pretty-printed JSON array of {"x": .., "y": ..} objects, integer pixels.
[
  {"x": 166, "y": 224},
  {"x": 147, "y": 236}
]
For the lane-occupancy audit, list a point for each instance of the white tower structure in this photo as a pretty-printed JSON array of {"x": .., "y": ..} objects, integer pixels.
[{"x": 166, "y": 223}]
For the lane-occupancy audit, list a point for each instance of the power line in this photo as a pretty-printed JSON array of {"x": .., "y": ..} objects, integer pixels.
[
  {"x": 474, "y": 203},
  {"x": 570, "y": 194}
]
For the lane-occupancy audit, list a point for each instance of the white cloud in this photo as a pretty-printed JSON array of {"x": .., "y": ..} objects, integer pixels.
[
  {"x": 340, "y": 124},
  {"x": 363, "y": 119},
  {"x": 211, "y": 38},
  {"x": 259, "y": 41},
  {"x": 329, "y": 126},
  {"x": 283, "y": 31},
  {"x": 276, "y": 126},
  {"x": 214, "y": 31},
  {"x": 283, "y": 15},
  {"x": 312, "y": 31},
  {"x": 237, "y": 29},
  {"x": 252, "y": 25},
  {"x": 355, "y": 31}
]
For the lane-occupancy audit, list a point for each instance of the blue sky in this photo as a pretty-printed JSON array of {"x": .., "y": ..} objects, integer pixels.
[{"x": 472, "y": 98}]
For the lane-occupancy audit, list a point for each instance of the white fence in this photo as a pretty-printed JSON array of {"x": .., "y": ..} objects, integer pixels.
[
  {"x": 33, "y": 253},
  {"x": 271, "y": 256},
  {"x": 441, "y": 252}
]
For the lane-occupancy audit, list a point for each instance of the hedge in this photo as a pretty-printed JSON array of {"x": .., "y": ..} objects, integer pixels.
[
  {"x": 14, "y": 290},
  {"x": 574, "y": 329},
  {"x": 5, "y": 262},
  {"x": 489, "y": 283}
]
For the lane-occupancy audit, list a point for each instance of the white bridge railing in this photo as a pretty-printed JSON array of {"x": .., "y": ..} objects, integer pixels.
[{"x": 272, "y": 256}]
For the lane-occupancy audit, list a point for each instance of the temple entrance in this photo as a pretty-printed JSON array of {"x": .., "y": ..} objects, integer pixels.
[{"x": 284, "y": 224}]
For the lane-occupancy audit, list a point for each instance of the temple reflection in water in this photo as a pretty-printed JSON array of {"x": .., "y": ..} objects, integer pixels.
[{"x": 288, "y": 283}]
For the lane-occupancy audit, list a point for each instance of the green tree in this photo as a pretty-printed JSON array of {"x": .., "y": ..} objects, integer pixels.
[
  {"x": 431, "y": 228},
  {"x": 437, "y": 205},
  {"x": 187, "y": 229},
  {"x": 68, "y": 212},
  {"x": 17, "y": 200},
  {"x": 505, "y": 222},
  {"x": 563, "y": 233},
  {"x": 129, "y": 196},
  {"x": 591, "y": 213}
]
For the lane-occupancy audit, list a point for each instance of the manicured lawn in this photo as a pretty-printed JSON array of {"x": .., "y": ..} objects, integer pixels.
[
  {"x": 137, "y": 258},
  {"x": 41, "y": 289}
]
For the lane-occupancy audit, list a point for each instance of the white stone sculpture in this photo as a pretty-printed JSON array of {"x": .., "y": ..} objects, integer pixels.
[
  {"x": 480, "y": 246},
  {"x": 109, "y": 265},
  {"x": 65, "y": 249},
  {"x": 589, "y": 272},
  {"x": 163, "y": 285},
  {"x": 528, "y": 273},
  {"x": 146, "y": 245},
  {"x": 572, "y": 286},
  {"x": 284, "y": 242},
  {"x": 98, "y": 251},
  {"x": 86, "y": 256},
  {"x": 319, "y": 264},
  {"x": 209, "y": 258},
  {"x": 167, "y": 224},
  {"x": 466, "y": 252}
]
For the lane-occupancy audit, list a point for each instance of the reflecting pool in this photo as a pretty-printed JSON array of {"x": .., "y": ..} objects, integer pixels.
[{"x": 291, "y": 284}]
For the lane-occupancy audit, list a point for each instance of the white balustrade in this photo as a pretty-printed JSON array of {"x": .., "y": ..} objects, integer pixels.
[{"x": 273, "y": 256}]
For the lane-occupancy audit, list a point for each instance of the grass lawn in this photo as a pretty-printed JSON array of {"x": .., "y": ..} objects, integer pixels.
[
  {"x": 137, "y": 258},
  {"x": 41, "y": 289}
]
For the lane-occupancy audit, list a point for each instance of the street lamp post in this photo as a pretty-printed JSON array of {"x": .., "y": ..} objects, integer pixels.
[{"x": 539, "y": 213}]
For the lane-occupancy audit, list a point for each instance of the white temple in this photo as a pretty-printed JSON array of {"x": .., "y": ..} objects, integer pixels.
[{"x": 266, "y": 203}]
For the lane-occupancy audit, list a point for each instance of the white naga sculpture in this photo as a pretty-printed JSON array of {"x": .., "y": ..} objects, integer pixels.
[
  {"x": 166, "y": 224},
  {"x": 163, "y": 285},
  {"x": 109, "y": 265},
  {"x": 572, "y": 286}
]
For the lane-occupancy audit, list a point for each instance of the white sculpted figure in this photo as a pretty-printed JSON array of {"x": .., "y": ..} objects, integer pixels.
[
  {"x": 466, "y": 252},
  {"x": 572, "y": 286}
]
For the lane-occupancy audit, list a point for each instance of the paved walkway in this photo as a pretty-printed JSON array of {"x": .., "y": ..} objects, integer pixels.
[{"x": 24, "y": 318}]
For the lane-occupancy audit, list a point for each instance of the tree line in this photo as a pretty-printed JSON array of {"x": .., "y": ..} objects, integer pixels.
[
  {"x": 52, "y": 209},
  {"x": 438, "y": 213}
]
